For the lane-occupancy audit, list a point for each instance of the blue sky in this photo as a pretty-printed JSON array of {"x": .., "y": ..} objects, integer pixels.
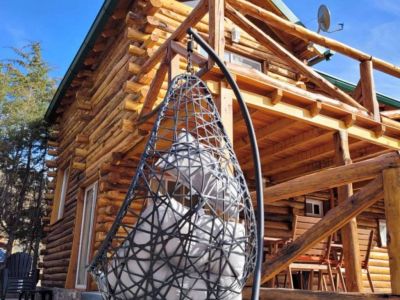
[
  {"x": 370, "y": 25},
  {"x": 59, "y": 25}
]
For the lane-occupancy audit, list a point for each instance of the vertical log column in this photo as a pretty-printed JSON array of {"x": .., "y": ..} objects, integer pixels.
[
  {"x": 351, "y": 248},
  {"x": 391, "y": 186},
  {"x": 217, "y": 42},
  {"x": 173, "y": 68},
  {"x": 368, "y": 89},
  {"x": 216, "y": 28}
]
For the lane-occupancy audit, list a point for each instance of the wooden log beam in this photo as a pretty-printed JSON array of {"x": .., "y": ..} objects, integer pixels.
[
  {"x": 154, "y": 89},
  {"x": 303, "y": 33},
  {"x": 317, "y": 166},
  {"x": 224, "y": 104},
  {"x": 351, "y": 248},
  {"x": 195, "y": 16},
  {"x": 287, "y": 56},
  {"x": 391, "y": 185},
  {"x": 368, "y": 89},
  {"x": 295, "y": 112},
  {"x": 216, "y": 28},
  {"x": 331, "y": 178},
  {"x": 288, "y": 294},
  {"x": 303, "y": 157},
  {"x": 392, "y": 114},
  {"x": 197, "y": 59},
  {"x": 335, "y": 219},
  {"x": 265, "y": 132}
]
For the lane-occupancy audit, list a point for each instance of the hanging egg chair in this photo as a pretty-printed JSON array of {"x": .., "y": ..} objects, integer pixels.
[{"x": 186, "y": 229}]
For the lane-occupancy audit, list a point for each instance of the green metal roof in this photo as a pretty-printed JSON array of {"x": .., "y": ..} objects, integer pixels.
[{"x": 349, "y": 87}]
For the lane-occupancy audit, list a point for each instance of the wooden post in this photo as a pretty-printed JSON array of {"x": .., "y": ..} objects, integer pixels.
[
  {"x": 391, "y": 186},
  {"x": 216, "y": 28},
  {"x": 224, "y": 103},
  {"x": 351, "y": 248},
  {"x": 368, "y": 89},
  {"x": 173, "y": 64}
]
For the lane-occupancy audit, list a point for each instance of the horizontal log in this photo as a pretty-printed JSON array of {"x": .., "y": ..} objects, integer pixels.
[
  {"x": 287, "y": 294},
  {"x": 57, "y": 255},
  {"x": 56, "y": 263},
  {"x": 60, "y": 276},
  {"x": 78, "y": 166},
  {"x": 392, "y": 114},
  {"x": 56, "y": 270},
  {"x": 82, "y": 138},
  {"x": 331, "y": 178},
  {"x": 53, "y": 143},
  {"x": 137, "y": 51},
  {"x": 52, "y": 152},
  {"x": 53, "y": 283},
  {"x": 133, "y": 68},
  {"x": 84, "y": 105},
  {"x": 136, "y": 35},
  {"x": 195, "y": 16},
  {"x": 51, "y": 174},
  {"x": 51, "y": 163},
  {"x": 80, "y": 152}
]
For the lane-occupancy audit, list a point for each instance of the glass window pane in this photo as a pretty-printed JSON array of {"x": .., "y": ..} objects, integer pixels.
[
  {"x": 244, "y": 61},
  {"x": 63, "y": 194},
  {"x": 316, "y": 209},
  {"x": 383, "y": 232},
  {"x": 309, "y": 208}
]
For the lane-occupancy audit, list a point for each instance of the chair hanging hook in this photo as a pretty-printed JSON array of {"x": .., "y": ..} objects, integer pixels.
[{"x": 189, "y": 48}]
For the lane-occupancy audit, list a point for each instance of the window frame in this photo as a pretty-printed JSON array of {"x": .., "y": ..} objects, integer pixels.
[
  {"x": 93, "y": 186},
  {"x": 320, "y": 203},
  {"x": 228, "y": 55},
  {"x": 63, "y": 193},
  {"x": 382, "y": 235}
]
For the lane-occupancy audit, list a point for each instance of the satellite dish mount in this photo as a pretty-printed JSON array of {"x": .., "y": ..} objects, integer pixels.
[{"x": 324, "y": 20}]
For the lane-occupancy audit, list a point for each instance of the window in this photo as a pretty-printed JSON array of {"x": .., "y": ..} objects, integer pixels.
[
  {"x": 237, "y": 59},
  {"x": 86, "y": 235},
  {"x": 242, "y": 61},
  {"x": 382, "y": 233},
  {"x": 314, "y": 208},
  {"x": 63, "y": 193}
]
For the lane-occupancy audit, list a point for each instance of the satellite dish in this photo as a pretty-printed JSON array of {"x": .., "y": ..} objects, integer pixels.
[{"x": 324, "y": 18}]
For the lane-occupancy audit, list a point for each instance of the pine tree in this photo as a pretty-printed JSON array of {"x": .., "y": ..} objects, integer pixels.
[{"x": 25, "y": 91}]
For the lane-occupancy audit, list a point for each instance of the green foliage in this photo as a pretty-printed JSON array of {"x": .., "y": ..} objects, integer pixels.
[{"x": 25, "y": 92}]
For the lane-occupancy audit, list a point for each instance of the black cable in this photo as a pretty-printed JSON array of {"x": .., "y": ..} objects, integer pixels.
[{"x": 256, "y": 160}]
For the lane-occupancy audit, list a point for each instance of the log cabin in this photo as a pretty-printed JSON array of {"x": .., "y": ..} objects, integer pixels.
[{"x": 329, "y": 149}]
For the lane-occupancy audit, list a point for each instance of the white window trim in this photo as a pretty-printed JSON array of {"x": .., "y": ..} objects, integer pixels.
[
  {"x": 94, "y": 187},
  {"x": 63, "y": 194},
  {"x": 317, "y": 202}
]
